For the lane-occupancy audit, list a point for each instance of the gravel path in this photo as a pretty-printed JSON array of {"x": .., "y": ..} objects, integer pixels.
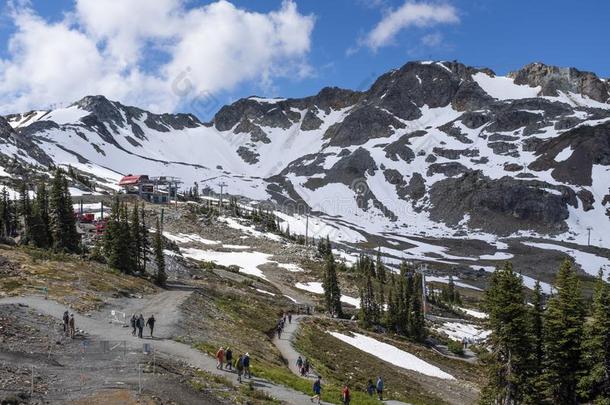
[
  {"x": 285, "y": 344},
  {"x": 163, "y": 305}
]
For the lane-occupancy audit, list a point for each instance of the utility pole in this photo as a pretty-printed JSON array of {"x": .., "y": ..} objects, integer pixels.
[
  {"x": 222, "y": 185},
  {"x": 589, "y": 236},
  {"x": 423, "y": 269},
  {"x": 307, "y": 229}
]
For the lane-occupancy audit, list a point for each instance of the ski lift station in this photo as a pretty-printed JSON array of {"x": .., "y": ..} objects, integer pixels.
[{"x": 156, "y": 190}]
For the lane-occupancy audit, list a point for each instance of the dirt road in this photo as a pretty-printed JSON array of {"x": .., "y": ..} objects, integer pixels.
[{"x": 164, "y": 306}]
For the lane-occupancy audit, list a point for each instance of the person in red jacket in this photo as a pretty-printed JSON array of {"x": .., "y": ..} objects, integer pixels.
[
  {"x": 220, "y": 358},
  {"x": 345, "y": 395}
]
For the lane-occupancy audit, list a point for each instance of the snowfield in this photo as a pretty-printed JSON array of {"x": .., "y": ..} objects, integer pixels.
[
  {"x": 459, "y": 330},
  {"x": 247, "y": 262},
  {"x": 392, "y": 355}
]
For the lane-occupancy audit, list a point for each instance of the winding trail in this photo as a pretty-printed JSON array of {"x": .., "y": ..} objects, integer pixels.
[
  {"x": 164, "y": 307},
  {"x": 285, "y": 344}
]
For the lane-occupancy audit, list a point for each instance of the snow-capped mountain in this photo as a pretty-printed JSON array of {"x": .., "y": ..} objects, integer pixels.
[{"x": 433, "y": 148}]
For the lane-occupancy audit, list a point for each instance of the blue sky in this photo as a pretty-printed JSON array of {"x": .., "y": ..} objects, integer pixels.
[{"x": 315, "y": 43}]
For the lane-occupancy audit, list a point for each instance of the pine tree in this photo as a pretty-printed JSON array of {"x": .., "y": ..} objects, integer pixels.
[
  {"x": 332, "y": 293},
  {"x": 508, "y": 363},
  {"x": 536, "y": 319},
  {"x": 594, "y": 384},
  {"x": 416, "y": 314},
  {"x": 61, "y": 213},
  {"x": 563, "y": 329},
  {"x": 136, "y": 237},
  {"x": 145, "y": 247},
  {"x": 25, "y": 210},
  {"x": 42, "y": 231},
  {"x": 117, "y": 239},
  {"x": 381, "y": 275},
  {"x": 160, "y": 277}
]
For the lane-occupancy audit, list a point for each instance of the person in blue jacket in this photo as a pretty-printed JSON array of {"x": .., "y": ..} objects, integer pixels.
[{"x": 317, "y": 390}]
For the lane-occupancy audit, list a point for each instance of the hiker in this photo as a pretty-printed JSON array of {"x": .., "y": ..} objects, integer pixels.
[
  {"x": 246, "y": 362},
  {"x": 317, "y": 390},
  {"x": 279, "y": 332},
  {"x": 289, "y": 317},
  {"x": 345, "y": 394},
  {"x": 140, "y": 325},
  {"x": 151, "y": 324},
  {"x": 370, "y": 388},
  {"x": 220, "y": 357},
  {"x": 66, "y": 319},
  {"x": 300, "y": 365},
  {"x": 71, "y": 326},
  {"x": 229, "y": 358},
  {"x": 380, "y": 388},
  {"x": 305, "y": 366},
  {"x": 133, "y": 324},
  {"x": 239, "y": 366}
]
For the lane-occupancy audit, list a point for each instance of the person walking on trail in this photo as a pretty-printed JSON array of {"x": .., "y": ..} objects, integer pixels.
[
  {"x": 305, "y": 367},
  {"x": 346, "y": 394},
  {"x": 279, "y": 331},
  {"x": 239, "y": 367},
  {"x": 133, "y": 321},
  {"x": 300, "y": 365},
  {"x": 71, "y": 326},
  {"x": 140, "y": 325},
  {"x": 317, "y": 390},
  {"x": 289, "y": 317},
  {"x": 151, "y": 324},
  {"x": 246, "y": 362},
  {"x": 370, "y": 388},
  {"x": 229, "y": 358},
  {"x": 220, "y": 358},
  {"x": 66, "y": 319},
  {"x": 380, "y": 388}
]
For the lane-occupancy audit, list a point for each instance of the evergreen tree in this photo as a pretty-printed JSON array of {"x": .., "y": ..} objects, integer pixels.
[
  {"x": 145, "y": 247},
  {"x": 332, "y": 293},
  {"x": 594, "y": 384},
  {"x": 160, "y": 277},
  {"x": 61, "y": 214},
  {"x": 136, "y": 237},
  {"x": 416, "y": 315},
  {"x": 25, "y": 210},
  {"x": 369, "y": 306},
  {"x": 42, "y": 230},
  {"x": 117, "y": 239},
  {"x": 536, "y": 315},
  {"x": 563, "y": 338},
  {"x": 508, "y": 363}
]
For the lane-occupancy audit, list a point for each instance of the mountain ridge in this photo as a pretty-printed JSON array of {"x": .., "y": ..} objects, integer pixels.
[{"x": 381, "y": 160}]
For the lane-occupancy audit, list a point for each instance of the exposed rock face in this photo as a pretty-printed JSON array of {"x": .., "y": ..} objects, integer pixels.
[
  {"x": 590, "y": 146},
  {"x": 427, "y": 134},
  {"x": 553, "y": 79},
  {"x": 500, "y": 206}
]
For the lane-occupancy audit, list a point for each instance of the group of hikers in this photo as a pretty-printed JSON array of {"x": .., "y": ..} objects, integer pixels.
[
  {"x": 371, "y": 389},
  {"x": 287, "y": 317},
  {"x": 138, "y": 324},
  {"x": 303, "y": 366},
  {"x": 224, "y": 360},
  {"x": 69, "y": 328}
]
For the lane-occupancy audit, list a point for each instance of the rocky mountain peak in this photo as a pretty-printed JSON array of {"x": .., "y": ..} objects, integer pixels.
[{"x": 553, "y": 79}]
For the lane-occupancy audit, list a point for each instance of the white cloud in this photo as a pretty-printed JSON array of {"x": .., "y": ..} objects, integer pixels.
[
  {"x": 409, "y": 15},
  {"x": 432, "y": 40},
  {"x": 152, "y": 54}
]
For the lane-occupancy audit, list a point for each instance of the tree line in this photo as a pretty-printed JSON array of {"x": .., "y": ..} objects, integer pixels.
[
  {"x": 46, "y": 220},
  {"x": 126, "y": 242},
  {"x": 548, "y": 351},
  {"x": 388, "y": 300}
]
